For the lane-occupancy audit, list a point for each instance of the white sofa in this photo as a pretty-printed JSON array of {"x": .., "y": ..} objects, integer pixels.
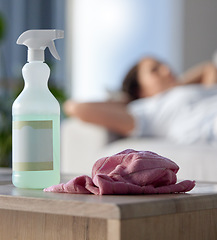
[{"x": 83, "y": 143}]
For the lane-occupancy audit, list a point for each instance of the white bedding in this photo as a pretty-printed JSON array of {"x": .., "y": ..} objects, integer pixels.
[{"x": 184, "y": 114}]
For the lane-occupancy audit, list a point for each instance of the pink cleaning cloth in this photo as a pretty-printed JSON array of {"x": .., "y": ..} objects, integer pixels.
[{"x": 128, "y": 172}]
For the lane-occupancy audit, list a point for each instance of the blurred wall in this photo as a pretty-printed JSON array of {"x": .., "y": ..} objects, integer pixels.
[
  {"x": 105, "y": 38},
  {"x": 181, "y": 32},
  {"x": 199, "y": 31}
]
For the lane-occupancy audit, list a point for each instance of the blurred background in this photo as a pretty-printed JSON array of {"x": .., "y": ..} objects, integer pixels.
[{"x": 103, "y": 39}]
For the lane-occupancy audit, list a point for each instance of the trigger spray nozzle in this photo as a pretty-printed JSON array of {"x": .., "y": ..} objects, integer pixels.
[{"x": 38, "y": 40}]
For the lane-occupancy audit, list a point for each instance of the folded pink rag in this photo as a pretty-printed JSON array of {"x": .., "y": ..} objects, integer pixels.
[{"x": 128, "y": 172}]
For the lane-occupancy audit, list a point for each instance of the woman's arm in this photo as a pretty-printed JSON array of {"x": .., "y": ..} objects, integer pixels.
[
  {"x": 205, "y": 74},
  {"x": 112, "y": 115}
]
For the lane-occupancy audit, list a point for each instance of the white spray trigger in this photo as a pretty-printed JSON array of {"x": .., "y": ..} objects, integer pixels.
[
  {"x": 53, "y": 50},
  {"x": 38, "y": 40}
]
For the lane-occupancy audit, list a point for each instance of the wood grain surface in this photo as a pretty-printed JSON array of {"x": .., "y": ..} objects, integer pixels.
[
  {"x": 27, "y": 214},
  {"x": 107, "y": 207},
  {"x": 34, "y": 226}
]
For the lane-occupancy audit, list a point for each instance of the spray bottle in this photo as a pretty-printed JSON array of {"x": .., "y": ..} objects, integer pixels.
[{"x": 36, "y": 117}]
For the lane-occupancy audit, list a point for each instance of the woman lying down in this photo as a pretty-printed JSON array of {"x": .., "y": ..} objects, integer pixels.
[{"x": 159, "y": 104}]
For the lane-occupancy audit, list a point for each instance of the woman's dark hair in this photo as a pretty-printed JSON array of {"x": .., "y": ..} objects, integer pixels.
[{"x": 130, "y": 84}]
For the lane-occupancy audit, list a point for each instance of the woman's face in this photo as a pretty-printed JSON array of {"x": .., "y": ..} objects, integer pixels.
[{"x": 154, "y": 77}]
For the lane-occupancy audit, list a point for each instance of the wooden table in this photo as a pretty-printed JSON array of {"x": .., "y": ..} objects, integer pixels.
[{"x": 33, "y": 214}]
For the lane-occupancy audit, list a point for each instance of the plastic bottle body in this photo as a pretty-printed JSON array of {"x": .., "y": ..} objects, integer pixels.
[{"x": 36, "y": 131}]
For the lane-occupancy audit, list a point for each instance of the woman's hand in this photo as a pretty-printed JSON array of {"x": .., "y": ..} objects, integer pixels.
[
  {"x": 205, "y": 73},
  {"x": 69, "y": 108}
]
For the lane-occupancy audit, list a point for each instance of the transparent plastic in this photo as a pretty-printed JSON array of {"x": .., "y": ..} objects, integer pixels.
[{"x": 36, "y": 103}]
